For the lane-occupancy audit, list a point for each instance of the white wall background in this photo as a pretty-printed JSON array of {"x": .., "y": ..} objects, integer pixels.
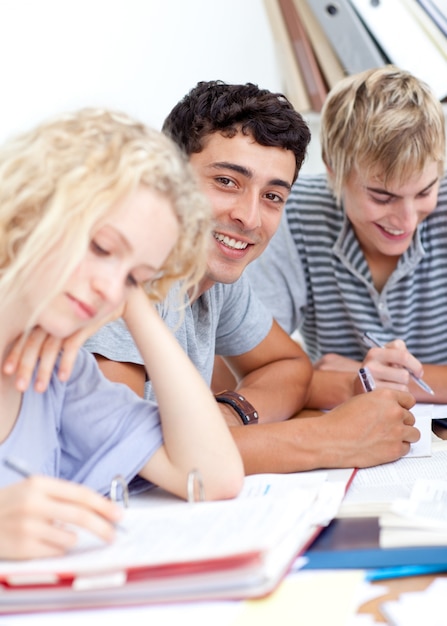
[{"x": 140, "y": 56}]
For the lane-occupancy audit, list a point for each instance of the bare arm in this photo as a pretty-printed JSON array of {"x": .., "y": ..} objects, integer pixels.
[
  {"x": 195, "y": 435},
  {"x": 368, "y": 430},
  {"x": 274, "y": 376},
  {"x": 131, "y": 374}
]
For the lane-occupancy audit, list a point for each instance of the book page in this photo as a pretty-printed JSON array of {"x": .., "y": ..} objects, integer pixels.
[
  {"x": 374, "y": 488},
  {"x": 204, "y": 530},
  {"x": 162, "y": 529}
]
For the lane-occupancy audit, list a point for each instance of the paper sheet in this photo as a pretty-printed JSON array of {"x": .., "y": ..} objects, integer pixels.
[
  {"x": 298, "y": 601},
  {"x": 374, "y": 488}
]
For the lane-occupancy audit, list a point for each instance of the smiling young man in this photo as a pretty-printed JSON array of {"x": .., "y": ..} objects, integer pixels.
[
  {"x": 363, "y": 247},
  {"x": 246, "y": 146}
]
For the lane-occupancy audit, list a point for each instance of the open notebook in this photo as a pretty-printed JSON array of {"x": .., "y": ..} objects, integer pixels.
[{"x": 169, "y": 550}]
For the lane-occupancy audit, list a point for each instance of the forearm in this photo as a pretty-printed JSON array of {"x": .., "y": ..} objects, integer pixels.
[
  {"x": 292, "y": 446},
  {"x": 277, "y": 390},
  {"x": 195, "y": 435},
  {"x": 435, "y": 376},
  {"x": 369, "y": 429},
  {"x": 329, "y": 389}
]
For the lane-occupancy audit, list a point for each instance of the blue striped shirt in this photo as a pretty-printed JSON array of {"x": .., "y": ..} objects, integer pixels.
[{"x": 314, "y": 277}]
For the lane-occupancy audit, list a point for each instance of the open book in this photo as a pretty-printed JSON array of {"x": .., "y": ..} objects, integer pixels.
[
  {"x": 169, "y": 550},
  {"x": 374, "y": 489}
]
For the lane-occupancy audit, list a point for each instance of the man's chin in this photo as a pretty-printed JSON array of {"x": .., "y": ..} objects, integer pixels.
[{"x": 225, "y": 277}]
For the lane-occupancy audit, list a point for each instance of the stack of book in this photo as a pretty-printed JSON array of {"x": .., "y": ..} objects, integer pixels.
[
  {"x": 393, "y": 516},
  {"x": 319, "y": 42},
  {"x": 419, "y": 520}
]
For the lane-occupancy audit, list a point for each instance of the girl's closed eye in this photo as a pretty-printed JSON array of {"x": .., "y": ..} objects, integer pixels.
[
  {"x": 97, "y": 249},
  {"x": 382, "y": 198},
  {"x": 131, "y": 281}
]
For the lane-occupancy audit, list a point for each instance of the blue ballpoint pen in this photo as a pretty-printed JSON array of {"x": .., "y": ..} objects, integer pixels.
[{"x": 372, "y": 342}]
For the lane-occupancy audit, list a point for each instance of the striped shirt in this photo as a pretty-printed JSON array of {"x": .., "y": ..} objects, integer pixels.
[{"x": 314, "y": 277}]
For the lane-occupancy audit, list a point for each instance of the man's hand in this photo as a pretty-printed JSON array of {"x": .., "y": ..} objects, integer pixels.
[
  {"x": 371, "y": 429},
  {"x": 36, "y": 515},
  {"x": 389, "y": 365}
]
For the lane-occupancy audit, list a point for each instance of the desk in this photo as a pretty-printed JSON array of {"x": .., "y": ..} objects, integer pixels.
[{"x": 396, "y": 586}]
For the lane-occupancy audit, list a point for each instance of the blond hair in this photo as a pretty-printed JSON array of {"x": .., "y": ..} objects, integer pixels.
[
  {"x": 383, "y": 121},
  {"x": 58, "y": 180}
]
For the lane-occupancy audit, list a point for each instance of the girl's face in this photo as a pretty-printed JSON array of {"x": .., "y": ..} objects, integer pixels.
[
  {"x": 127, "y": 247},
  {"x": 385, "y": 217}
]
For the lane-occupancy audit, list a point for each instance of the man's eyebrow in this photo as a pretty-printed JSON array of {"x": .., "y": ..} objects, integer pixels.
[
  {"x": 394, "y": 195},
  {"x": 244, "y": 171}
]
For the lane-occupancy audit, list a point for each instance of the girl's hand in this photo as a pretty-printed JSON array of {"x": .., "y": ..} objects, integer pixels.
[
  {"x": 42, "y": 350},
  {"x": 37, "y": 517}
]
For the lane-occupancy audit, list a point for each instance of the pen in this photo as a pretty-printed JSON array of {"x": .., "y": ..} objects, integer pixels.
[
  {"x": 401, "y": 571},
  {"x": 367, "y": 379},
  {"x": 17, "y": 466},
  {"x": 372, "y": 342}
]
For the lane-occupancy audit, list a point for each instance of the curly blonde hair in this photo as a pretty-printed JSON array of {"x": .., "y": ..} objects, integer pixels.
[
  {"x": 59, "y": 179},
  {"x": 383, "y": 121}
]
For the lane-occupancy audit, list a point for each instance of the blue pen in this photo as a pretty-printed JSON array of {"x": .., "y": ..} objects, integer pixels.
[
  {"x": 401, "y": 571},
  {"x": 372, "y": 342}
]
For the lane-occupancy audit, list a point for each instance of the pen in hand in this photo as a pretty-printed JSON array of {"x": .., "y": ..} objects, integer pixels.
[
  {"x": 366, "y": 379},
  {"x": 19, "y": 467},
  {"x": 372, "y": 342}
]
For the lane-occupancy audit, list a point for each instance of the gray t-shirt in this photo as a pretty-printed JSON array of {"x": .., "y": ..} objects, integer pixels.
[
  {"x": 278, "y": 278},
  {"x": 227, "y": 320}
]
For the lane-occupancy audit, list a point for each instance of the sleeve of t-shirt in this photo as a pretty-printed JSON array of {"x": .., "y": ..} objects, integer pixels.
[
  {"x": 278, "y": 279},
  {"x": 106, "y": 429},
  {"x": 243, "y": 322},
  {"x": 114, "y": 342}
]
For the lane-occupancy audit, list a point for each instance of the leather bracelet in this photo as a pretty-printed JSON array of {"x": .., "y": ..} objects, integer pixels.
[{"x": 243, "y": 408}]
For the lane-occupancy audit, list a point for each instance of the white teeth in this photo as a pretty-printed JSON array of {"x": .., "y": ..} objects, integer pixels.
[
  {"x": 231, "y": 243},
  {"x": 392, "y": 231}
]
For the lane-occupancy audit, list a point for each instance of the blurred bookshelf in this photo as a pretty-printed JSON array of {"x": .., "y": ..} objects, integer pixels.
[{"x": 318, "y": 42}]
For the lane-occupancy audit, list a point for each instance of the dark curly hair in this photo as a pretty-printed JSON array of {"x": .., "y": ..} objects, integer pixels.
[{"x": 215, "y": 106}]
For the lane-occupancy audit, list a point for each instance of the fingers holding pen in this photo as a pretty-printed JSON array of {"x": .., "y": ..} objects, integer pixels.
[
  {"x": 39, "y": 516},
  {"x": 392, "y": 365}
]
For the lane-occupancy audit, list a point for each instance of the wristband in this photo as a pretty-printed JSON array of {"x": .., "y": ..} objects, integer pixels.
[{"x": 243, "y": 408}]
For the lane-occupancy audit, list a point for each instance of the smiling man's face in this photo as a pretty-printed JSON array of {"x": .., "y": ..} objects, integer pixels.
[{"x": 247, "y": 185}]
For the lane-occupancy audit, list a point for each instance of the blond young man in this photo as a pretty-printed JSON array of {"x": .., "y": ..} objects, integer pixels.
[{"x": 362, "y": 247}]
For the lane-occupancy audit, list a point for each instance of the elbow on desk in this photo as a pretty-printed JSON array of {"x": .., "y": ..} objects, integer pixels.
[{"x": 228, "y": 485}]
